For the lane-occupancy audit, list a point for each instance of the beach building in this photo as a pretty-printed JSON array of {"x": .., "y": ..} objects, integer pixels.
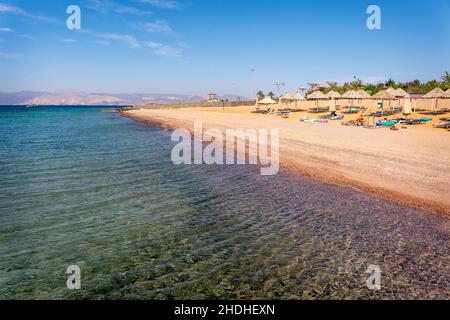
[{"x": 212, "y": 97}]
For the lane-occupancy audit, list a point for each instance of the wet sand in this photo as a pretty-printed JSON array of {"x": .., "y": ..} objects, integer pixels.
[{"x": 410, "y": 166}]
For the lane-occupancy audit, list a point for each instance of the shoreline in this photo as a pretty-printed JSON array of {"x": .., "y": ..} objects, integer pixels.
[{"x": 316, "y": 164}]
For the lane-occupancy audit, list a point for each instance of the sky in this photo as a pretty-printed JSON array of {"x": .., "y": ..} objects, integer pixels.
[{"x": 223, "y": 46}]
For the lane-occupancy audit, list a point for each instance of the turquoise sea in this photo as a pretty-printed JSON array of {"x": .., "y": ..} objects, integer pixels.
[{"x": 97, "y": 190}]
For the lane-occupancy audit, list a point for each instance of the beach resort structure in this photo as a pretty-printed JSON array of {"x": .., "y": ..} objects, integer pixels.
[
  {"x": 388, "y": 99},
  {"x": 212, "y": 97}
]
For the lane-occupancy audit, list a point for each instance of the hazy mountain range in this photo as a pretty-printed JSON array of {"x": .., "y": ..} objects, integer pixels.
[{"x": 85, "y": 98}]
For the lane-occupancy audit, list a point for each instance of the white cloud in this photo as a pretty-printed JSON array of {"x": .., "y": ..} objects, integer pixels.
[
  {"x": 130, "y": 40},
  {"x": 11, "y": 9},
  {"x": 6, "y": 55},
  {"x": 157, "y": 48},
  {"x": 68, "y": 40},
  {"x": 158, "y": 26},
  {"x": 111, "y": 6},
  {"x": 163, "y": 4},
  {"x": 6, "y": 8},
  {"x": 163, "y": 50},
  {"x": 5, "y": 29}
]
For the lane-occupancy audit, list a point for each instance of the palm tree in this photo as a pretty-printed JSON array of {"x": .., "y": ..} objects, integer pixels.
[
  {"x": 390, "y": 83},
  {"x": 271, "y": 94},
  {"x": 312, "y": 86},
  {"x": 356, "y": 84},
  {"x": 260, "y": 95},
  {"x": 371, "y": 89},
  {"x": 332, "y": 84},
  {"x": 446, "y": 77}
]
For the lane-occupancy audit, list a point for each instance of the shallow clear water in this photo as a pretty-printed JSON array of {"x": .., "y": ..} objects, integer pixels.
[{"x": 94, "y": 189}]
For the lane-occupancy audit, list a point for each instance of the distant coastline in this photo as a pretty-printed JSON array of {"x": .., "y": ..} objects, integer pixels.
[{"x": 60, "y": 98}]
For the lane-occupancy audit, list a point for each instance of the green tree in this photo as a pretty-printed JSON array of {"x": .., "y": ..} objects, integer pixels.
[
  {"x": 446, "y": 78},
  {"x": 428, "y": 86},
  {"x": 332, "y": 84},
  {"x": 371, "y": 88},
  {"x": 271, "y": 94},
  {"x": 356, "y": 84},
  {"x": 390, "y": 83},
  {"x": 260, "y": 95},
  {"x": 312, "y": 86},
  {"x": 414, "y": 86}
]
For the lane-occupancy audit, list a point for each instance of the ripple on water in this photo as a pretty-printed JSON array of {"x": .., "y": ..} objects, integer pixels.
[{"x": 97, "y": 190}]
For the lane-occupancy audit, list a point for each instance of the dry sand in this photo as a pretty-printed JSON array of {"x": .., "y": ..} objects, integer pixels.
[{"x": 410, "y": 166}]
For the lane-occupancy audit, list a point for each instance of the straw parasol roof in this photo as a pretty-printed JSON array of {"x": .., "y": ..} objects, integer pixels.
[
  {"x": 392, "y": 91},
  {"x": 297, "y": 97},
  {"x": 436, "y": 93},
  {"x": 402, "y": 93},
  {"x": 317, "y": 95},
  {"x": 333, "y": 95},
  {"x": 363, "y": 94},
  {"x": 267, "y": 100},
  {"x": 286, "y": 96},
  {"x": 447, "y": 93},
  {"x": 383, "y": 95},
  {"x": 351, "y": 94}
]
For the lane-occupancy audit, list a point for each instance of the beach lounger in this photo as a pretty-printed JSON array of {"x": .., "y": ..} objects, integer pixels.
[
  {"x": 434, "y": 113},
  {"x": 444, "y": 125},
  {"x": 303, "y": 119},
  {"x": 318, "y": 110},
  {"x": 352, "y": 110}
]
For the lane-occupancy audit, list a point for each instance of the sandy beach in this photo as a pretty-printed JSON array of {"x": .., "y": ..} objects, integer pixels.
[{"x": 410, "y": 166}]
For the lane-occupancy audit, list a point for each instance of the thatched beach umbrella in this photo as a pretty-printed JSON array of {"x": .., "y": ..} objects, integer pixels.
[
  {"x": 317, "y": 95},
  {"x": 297, "y": 97},
  {"x": 402, "y": 93},
  {"x": 351, "y": 95},
  {"x": 333, "y": 95},
  {"x": 447, "y": 93},
  {"x": 392, "y": 91},
  {"x": 267, "y": 101},
  {"x": 435, "y": 94},
  {"x": 286, "y": 97},
  {"x": 384, "y": 95},
  {"x": 364, "y": 94}
]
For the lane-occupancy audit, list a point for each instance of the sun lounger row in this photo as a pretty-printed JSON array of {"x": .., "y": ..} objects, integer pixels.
[{"x": 443, "y": 125}]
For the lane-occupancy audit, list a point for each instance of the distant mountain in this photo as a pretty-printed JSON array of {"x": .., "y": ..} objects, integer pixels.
[
  {"x": 13, "y": 98},
  {"x": 84, "y": 98}
]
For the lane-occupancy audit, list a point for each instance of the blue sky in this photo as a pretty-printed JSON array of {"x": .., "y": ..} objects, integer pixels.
[{"x": 196, "y": 46}]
